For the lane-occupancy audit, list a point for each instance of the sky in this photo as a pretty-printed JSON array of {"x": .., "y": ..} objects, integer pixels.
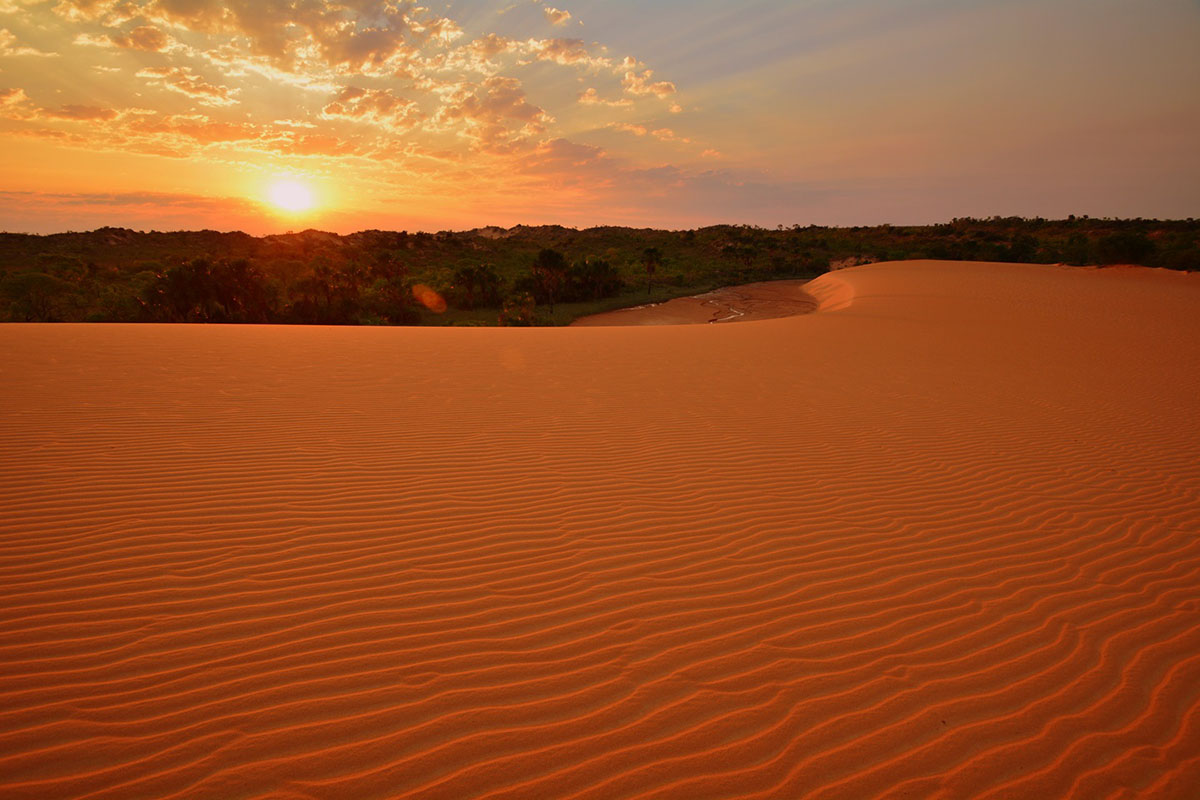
[{"x": 345, "y": 115}]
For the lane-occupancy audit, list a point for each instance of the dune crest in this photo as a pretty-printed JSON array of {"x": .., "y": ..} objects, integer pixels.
[
  {"x": 937, "y": 539},
  {"x": 831, "y": 292}
]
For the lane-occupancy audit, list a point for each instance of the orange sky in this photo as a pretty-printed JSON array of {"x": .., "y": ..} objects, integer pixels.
[{"x": 174, "y": 114}]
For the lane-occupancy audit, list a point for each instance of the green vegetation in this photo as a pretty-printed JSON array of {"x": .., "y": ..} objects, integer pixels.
[{"x": 490, "y": 276}]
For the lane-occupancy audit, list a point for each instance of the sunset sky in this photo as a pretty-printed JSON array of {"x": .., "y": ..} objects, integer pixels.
[{"x": 272, "y": 115}]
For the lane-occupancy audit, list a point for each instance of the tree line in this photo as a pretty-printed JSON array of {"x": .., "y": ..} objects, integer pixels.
[{"x": 518, "y": 276}]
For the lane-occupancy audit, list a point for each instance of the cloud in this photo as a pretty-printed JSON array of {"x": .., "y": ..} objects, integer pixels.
[
  {"x": 590, "y": 97},
  {"x": 568, "y": 52},
  {"x": 93, "y": 40},
  {"x": 347, "y": 36},
  {"x": 386, "y": 91},
  {"x": 117, "y": 199},
  {"x": 662, "y": 134},
  {"x": 379, "y": 106},
  {"x": 486, "y": 48},
  {"x": 184, "y": 81},
  {"x": 317, "y": 44},
  {"x": 370, "y": 47},
  {"x": 47, "y": 212},
  {"x": 15, "y": 104},
  {"x": 556, "y": 16},
  {"x": 636, "y": 130},
  {"x": 668, "y": 135},
  {"x": 235, "y": 63},
  {"x": 80, "y": 113},
  {"x": 643, "y": 84},
  {"x": 313, "y": 144},
  {"x": 144, "y": 37},
  {"x": 109, "y": 12},
  {"x": 563, "y": 157},
  {"x": 178, "y": 135},
  {"x": 194, "y": 127},
  {"x": 496, "y": 113},
  {"x": 9, "y": 47}
]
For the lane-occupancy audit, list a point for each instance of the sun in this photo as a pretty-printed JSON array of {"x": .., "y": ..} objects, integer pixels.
[{"x": 289, "y": 195}]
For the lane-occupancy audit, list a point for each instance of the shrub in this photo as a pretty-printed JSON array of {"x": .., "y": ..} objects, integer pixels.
[
  {"x": 1125, "y": 248},
  {"x": 519, "y": 311}
]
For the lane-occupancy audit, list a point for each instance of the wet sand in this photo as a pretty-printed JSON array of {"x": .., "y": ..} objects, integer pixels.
[{"x": 751, "y": 301}]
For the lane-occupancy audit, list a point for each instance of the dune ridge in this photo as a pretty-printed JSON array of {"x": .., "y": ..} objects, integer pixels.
[{"x": 937, "y": 539}]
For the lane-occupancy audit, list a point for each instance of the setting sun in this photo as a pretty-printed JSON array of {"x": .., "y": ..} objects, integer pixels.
[{"x": 291, "y": 196}]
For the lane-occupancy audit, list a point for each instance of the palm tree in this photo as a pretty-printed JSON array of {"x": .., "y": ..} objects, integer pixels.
[
  {"x": 477, "y": 286},
  {"x": 464, "y": 282},
  {"x": 595, "y": 278},
  {"x": 549, "y": 269},
  {"x": 487, "y": 284},
  {"x": 651, "y": 259}
]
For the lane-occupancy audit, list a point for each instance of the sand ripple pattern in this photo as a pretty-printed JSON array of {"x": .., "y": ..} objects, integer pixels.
[{"x": 940, "y": 539}]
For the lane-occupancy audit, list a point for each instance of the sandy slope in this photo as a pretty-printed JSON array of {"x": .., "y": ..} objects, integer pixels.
[{"x": 937, "y": 540}]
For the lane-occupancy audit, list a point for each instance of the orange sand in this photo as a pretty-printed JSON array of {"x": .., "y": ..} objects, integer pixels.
[{"x": 937, "y": 540}]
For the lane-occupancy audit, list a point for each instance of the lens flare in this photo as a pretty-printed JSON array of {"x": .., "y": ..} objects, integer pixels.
[{"x": 429, "y": 298}]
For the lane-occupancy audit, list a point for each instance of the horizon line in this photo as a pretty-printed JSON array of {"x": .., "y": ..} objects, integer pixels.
[{"x": 795, "y": 226}]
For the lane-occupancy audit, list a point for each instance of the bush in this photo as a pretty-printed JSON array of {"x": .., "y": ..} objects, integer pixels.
[
  {"x": 1125, "y": 248},
  {"x": 34, "y": 296},
  {"x": 519, "y": 312},
  {"x": 203, "y": 291}
]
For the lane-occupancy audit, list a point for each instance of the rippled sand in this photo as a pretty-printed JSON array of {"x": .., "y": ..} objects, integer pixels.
[{"x": 936, "y": 540}]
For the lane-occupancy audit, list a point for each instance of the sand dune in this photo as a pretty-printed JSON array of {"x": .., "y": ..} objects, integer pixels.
[{"x": 936, "y": 540}]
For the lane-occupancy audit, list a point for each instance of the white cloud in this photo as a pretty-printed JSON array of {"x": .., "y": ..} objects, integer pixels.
[
  {"x": 643, "y": 84},
  {"x": 590, "y": 97},
  {"x": 556, "y": 16}
]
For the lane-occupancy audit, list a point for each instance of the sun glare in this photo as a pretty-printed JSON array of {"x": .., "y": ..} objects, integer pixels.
[{"x": 291, "y": 196}]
